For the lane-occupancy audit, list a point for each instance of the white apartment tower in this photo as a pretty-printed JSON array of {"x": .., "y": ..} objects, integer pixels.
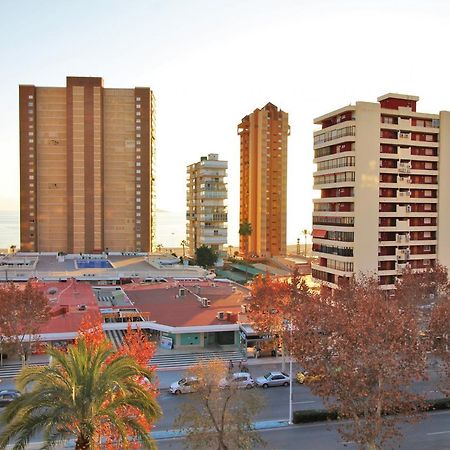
[
  {"x": 383, "y": 172},
  {"x": 206, "y": 210}
]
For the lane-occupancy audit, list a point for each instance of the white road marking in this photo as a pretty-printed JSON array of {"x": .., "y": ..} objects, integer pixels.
[
  {"x": 438, "y": 432},
  {"x": 306, "y": 401}
]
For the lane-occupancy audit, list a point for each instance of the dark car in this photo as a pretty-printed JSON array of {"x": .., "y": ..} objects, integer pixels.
[{"x": 7, "y": 396}]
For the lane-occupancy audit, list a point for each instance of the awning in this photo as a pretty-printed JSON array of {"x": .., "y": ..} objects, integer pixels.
[{"x": 319, "y": 233}]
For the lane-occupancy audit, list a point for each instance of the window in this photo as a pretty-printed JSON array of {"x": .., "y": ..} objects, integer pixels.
[
  {"x": 427, "y": 193},
  {"x": 30, "y": 97},
  {"x": 30, "y": 111},
  {"x": 138, "y": 127},
  {"x": 428, "y": 165},
  {"x": 427, "y": 220},
  {"x": 138, "y": 170},
  {"x": 30, "y": 133},
  {"x": 138, "y": 99},
  {"x": 138, "y": 214},
  {"x": 138, "y": 106},
  {"x": 138, "y": 142},
  {"x": 30, "y": 103},
  {"x": 427, "y": 248},
  {"x": 138, "y": 156},
  {"x": 31, "y": 177},
  {"x": 138, "y": 206},
  {"x": 30, "y": 141},
  {"x": 138, "y": 200},
  {"x": 428, "y": 180},
  {"x": 426, "y": 262},
  {"x": 427, "y": 207},
  {"x": 138, "y": 120},
  {"x": 138, "y": 164},
  {"x": 138, "y": 113},
  {"x": 427, "y": 234}
]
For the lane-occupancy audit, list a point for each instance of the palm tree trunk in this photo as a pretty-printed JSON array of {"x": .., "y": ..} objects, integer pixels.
[{"x": 82, "y": 443}]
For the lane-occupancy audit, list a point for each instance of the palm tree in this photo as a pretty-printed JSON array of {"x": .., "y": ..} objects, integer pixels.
[
  {"x": 84, "y": 392},
  {"x": 245, "y": 230},
  {"x": 305, "y": 234},
  {"x": 184, "y": 244}
]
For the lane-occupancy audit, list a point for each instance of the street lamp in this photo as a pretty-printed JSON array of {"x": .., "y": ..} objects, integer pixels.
[{"x": 288, "y": 324}]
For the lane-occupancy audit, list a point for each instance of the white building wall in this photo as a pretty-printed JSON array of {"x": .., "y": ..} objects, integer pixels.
[
  {"x": 366, "y": 187},
  {"x": 443, "y": 233}
]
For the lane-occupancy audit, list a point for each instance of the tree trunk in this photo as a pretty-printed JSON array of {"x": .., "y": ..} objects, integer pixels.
[{"x": 82, "y": 443}]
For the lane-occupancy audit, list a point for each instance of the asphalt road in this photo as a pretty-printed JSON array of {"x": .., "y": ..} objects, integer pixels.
[{"x": 433, "y": 433}]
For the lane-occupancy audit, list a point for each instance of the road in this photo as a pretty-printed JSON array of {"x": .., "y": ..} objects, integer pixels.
[
  {"x": 276, "y": 407},
  {"x": 433, "y": 433}
]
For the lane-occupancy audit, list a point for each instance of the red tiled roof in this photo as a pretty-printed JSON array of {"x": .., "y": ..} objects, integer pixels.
[
  {"x": 166, "y": 307},
  {"x": 66, "y": 317}
]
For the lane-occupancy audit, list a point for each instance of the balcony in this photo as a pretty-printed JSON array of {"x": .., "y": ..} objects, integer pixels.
[
  {"x": 404, "y": 152},
  {"x": 404, "y": 123},
  {"x": 402, "y": 238},
  {"x": 403, "y": 209},
  {"x": 404, "y": 136},
  {"x": 402, "y": 254},
  {"x": 401, "y": 267},
  {"x": 402, "y": 224},
  {"x": 403, "y": 181},
  {"x": 404, "y": 167},
  {"x": 403, "y": 194}
]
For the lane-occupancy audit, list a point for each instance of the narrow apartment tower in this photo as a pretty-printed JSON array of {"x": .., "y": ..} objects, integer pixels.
[
  {"x": 383, "y": 170},
  {"x": 263, "y": 188},
  {"x": 86, "y": 167},
  {"x": 206, "y": 210}
]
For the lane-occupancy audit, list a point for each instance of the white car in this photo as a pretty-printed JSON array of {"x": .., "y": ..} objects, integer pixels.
[
  {"x": 241, "y": 380},
  {"x": 273, "y": 379},
  {"x": 184, "y": 386}
]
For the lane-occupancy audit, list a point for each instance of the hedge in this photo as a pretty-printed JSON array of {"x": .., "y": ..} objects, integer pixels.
[{"x": 320, "y": 415}]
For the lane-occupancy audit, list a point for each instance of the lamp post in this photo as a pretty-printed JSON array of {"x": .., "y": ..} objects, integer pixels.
[{"x": 288, "y": 323}]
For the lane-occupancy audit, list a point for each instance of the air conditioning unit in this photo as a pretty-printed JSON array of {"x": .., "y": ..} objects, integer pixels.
[
  {"x": 221, "y": 315},
  {"x": 205, "y": 302},
  {"x": 181, "y": 292}
]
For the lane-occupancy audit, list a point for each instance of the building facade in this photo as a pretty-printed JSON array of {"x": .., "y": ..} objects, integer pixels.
[
  {"x": 263, "y": 181},
  {"x": 383, "y": 176},
  {"x": 206, "y": 209},
  {"x": 86, "y": 167}
]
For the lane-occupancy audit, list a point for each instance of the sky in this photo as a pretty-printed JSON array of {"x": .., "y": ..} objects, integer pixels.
[{"x": 211, "y": 62}]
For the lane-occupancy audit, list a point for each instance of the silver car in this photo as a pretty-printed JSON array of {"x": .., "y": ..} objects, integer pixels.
[
  {"x": 273, "y": 379},
  {"x": 240, "y": 380},
  {"x": 184, "y": 386}
]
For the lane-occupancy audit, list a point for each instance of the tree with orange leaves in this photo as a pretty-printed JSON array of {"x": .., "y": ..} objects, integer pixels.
[
  {"x": 439, "y": 333},
  {"x": 104, "y": 398},
  {"x": 366, "y": 351},
  {"x": 273, "y": 303},
  {"x": 23, "y": 312}
]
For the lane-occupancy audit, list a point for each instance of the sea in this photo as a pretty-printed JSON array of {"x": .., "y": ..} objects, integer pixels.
[{"x": 170, "y": 228}]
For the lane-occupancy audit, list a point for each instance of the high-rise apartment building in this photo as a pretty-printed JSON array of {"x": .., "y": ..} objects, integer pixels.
[
  {"x": 383, "y": 170},
  {"x": 86, "y": 167},
  {"x": 206, "y": 210},
  {"x": 263, "y": 188}
]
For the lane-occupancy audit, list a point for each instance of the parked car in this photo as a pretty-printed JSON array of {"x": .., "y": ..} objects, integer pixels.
[
  {"x": 263, "y": 350},
  {"x": 304, "y": 377},
  {"x": 273, "y": 379},
  {"x": 184, "y": 386},
  {"x": 241, "y": 380},
  {"x": 7, "y": 396}
]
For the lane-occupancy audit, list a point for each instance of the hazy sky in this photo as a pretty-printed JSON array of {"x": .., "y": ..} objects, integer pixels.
[{"x": 211, "y": 62}]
